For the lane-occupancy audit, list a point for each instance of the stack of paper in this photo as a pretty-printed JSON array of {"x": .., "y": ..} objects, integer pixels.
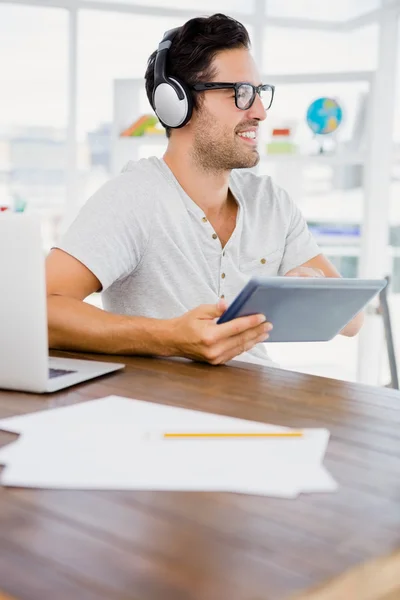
[{"x": 119, "y": 443}]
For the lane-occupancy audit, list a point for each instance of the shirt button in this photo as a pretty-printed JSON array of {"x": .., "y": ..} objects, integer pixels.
[
  {"x": 223, "y": 276},
  {"x": 214, "y": 235},
  {"x": 223, "y": 254},
  {"x": 263, "y": 261},
  {"x": 204, "y": 219}
]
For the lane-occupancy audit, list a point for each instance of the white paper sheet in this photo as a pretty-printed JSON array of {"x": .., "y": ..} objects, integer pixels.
[
  {"x": 81, "y": 460},
  {"x": 115, "y": 409},
  {"x": 104, "y": 444}
]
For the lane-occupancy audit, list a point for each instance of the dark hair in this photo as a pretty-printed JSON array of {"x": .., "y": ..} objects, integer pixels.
[{"x": 194, "y": 48}]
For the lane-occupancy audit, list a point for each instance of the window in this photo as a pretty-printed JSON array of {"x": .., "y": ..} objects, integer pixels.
[
  {"x": 340, "y": 10},
  {"x": 111, "y": 46},
  {"x": 202, "y": 6},
  {"x": 33, "y": 73},
  {"x": 311, "y": 51}
]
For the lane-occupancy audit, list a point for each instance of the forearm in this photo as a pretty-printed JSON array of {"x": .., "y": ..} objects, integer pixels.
[
  {"x": 354, "y": 326},
  {"x": 76, "y": 325}
]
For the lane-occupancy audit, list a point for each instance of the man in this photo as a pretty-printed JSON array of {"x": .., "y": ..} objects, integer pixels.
[{"x": 170, "y": 242}]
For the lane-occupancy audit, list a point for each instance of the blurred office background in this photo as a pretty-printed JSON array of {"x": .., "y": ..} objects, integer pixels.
[{"x": 71, "y": 79}]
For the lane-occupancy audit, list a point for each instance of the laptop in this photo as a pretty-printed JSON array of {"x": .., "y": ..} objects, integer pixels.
[{"x": 24, "y": 361}]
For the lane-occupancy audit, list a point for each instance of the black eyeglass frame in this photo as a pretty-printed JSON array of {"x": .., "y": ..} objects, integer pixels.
[{"x": 257, "y": 89}]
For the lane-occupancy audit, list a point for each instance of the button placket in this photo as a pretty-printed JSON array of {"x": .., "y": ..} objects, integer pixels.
[
  {"x": 213, "y": 234},
  {"x": 222, "y": 276},
  {"x": 215, "y": 237}
]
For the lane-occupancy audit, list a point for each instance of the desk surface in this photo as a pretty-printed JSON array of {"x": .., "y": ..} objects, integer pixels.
[{"x": 57, "y": 545}]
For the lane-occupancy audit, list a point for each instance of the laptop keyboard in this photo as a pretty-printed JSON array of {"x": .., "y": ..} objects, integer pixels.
[{"x": 57, "y": 372}]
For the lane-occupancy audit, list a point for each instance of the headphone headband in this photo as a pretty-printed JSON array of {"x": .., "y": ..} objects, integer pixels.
[{"x": 160, "y": 65}]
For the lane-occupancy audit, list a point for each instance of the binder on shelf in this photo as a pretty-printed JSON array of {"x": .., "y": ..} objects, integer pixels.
[{"x": 144, "y": 125}]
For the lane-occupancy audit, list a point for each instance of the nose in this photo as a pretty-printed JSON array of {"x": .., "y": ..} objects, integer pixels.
[{"x": 257, "y": 109}]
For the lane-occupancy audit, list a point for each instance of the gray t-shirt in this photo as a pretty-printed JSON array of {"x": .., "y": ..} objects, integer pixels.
[{"x": 156, "y": 254}]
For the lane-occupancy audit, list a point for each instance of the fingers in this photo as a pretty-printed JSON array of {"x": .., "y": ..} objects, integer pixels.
[
  {"x": 239, "y": 325},
  {"x": 294, "y": 273},
  {"x": 209, "y": 311},
  {"x": 225, "y": 330},
  {"x": 233, "y": 346},
  {"x": 305, "y": 272},
  {"x": 222, "y": 305},
  {"x": 220, "y": 343}
]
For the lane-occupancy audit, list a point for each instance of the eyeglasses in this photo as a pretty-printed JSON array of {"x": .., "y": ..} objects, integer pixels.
[{"x": 245, "y": 93}]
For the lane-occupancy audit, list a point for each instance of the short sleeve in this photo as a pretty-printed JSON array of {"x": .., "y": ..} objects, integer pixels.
[
  {"x": 110, "y": 234},
  {"x": 300, "y": 245}
]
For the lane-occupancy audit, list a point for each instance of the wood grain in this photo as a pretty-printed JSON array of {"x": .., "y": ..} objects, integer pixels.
[
  {"x": 375, "y": 580},
  {"x": 5, "y": 596},
  {"x": 205, "y": 546}
]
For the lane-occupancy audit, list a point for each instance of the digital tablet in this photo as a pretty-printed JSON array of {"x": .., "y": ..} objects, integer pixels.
[{"x": 304, "y": 309}]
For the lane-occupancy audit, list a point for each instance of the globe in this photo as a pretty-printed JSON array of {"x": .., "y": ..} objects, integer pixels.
[{"x": 324, "y": 115}]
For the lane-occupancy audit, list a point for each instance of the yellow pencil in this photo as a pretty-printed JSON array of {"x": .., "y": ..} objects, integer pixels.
[{"x": 275, "y": 434}]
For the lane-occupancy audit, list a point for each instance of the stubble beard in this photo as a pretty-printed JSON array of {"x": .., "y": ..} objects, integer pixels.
[{"x": 215, "y": 150}]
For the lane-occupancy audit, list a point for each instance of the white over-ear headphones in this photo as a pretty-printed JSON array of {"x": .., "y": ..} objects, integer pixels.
[{"x": 172, "y": 99}]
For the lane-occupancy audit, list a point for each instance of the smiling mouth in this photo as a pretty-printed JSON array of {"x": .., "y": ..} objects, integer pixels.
[{"x": 248, "y": 136}]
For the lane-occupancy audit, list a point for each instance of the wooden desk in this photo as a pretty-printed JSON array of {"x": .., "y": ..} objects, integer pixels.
[
  {"x": 377, "y": 579},
  {"x": 204, "y": 546}
]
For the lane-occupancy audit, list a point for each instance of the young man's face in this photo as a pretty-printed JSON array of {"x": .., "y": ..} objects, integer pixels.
[{"x": 218, "y": 125}]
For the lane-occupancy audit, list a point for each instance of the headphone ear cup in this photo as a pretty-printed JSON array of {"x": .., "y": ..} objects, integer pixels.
[
  {"x": 189, "y": 99},
  {"x": 170, "y": 109}
]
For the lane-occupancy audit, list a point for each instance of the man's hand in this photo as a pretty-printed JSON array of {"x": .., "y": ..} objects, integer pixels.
[
  {"x": 354, "y": 326},
  {"x": 196, "y": 334},
  {"x": 305, "y": 272}
]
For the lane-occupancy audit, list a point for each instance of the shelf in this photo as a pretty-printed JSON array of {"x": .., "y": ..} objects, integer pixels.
[
  {"x": 322, "y": 159},
  {"x": 333, "y": 77},
  {"x": 148, "y": 140},
  {"x": 333, "y": 250}
]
